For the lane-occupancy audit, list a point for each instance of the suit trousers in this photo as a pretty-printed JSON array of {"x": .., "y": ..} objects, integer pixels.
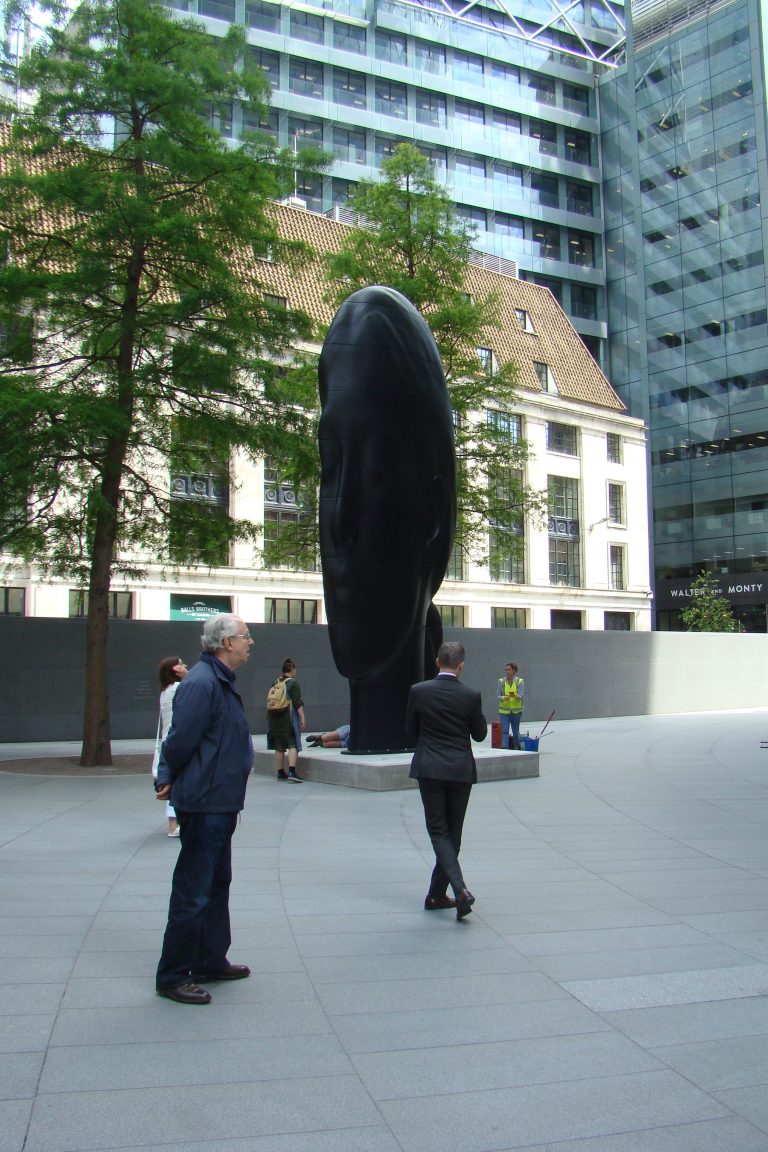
[
  {"x": 197, "y": 936},
  {"x": 445, "y": 804}
]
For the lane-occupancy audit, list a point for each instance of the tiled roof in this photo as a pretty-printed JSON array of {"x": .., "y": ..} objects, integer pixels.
[{"x": 554, "y": 341}]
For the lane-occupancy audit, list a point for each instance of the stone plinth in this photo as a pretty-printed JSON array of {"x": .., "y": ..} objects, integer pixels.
[{"x": 385, "y": 773}]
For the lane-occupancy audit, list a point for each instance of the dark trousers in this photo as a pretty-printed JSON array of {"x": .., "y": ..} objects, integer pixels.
[
  {"x": 197, "y": 936},
  {"x": 445, "y": 803}
]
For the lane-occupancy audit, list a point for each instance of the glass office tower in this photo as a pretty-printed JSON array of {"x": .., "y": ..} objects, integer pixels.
[
  {"x": 500, "y": 94},
  {"x": 684, "y": 150}
]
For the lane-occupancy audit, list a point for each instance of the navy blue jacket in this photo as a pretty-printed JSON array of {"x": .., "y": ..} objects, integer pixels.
[{"x": 207, "y": 754}]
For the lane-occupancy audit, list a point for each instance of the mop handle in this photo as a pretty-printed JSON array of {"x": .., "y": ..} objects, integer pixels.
[{"x": 547, "y": 724}]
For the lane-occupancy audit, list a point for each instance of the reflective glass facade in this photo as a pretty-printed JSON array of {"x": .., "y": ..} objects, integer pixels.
[
  {"x": 500, "y": 94},
  {"x": 684, "y": 147}
]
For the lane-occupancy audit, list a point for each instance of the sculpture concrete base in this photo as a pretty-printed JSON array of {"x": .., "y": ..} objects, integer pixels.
[{"x": 386, "y": 773}]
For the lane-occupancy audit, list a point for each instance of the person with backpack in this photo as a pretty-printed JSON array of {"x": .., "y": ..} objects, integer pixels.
[{"x": 285, "y": 720}]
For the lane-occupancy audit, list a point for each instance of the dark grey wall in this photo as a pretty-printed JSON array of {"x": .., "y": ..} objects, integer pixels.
[{"x": 577, "y": 673}]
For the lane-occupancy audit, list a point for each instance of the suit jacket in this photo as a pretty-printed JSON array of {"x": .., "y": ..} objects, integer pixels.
[{"x": 442, "y": 715}]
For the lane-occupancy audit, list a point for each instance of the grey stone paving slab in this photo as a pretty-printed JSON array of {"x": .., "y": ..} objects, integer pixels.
[
  {"x": 414, "y": 966},
  {"x": 641, "y": 961},
  {"x": 691, "y": 1023},
  {"x": 90, "y": 1120},
  {"x": 19, "y": 1073},
  {"x": 391, "y": 1031},
  {"x": 564, "y": 920},
  {"x": 480, "y": 1067},
  {"x": 158, "y": 1017},
  {"x": 14, "y": 1117},
  {"x": 404, "y": 995},
  {"x": 730, "y": 1135},
  {"x": 35, "y": 969},
  {"x": 117, "y": 1066},
  {"x": 18, "y": 999},
  {"x": 29, "y": 1033},
  {"x": 143, "y": 964},
  {"x": 128, "y": 991},
  {"x": 749, "y": 1103},
  {"x": 513, "y": 1117},
  {"x": 30, "y": 926},
  {"x": 464, "y": 936},
  {"x": 720, "y": 1064},
  {"x": 669, "y": 935},
  {"x": 362, "y": 1139},
  {"x": 670, "y": 988}
]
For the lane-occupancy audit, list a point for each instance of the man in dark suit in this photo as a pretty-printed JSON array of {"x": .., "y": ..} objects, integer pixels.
[{"x": 442, "y": 716}]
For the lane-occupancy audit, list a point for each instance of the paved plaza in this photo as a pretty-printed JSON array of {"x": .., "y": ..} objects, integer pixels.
[{"x": 609, "y": 992}]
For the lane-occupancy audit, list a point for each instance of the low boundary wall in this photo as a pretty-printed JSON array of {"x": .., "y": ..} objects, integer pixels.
[{"x": 580, "y": 674}]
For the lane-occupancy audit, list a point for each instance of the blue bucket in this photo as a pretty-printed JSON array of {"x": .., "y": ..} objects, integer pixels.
[{"x": 529, "y": 743}]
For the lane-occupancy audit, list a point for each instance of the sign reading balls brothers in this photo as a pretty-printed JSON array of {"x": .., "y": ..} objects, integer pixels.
[
  {"x": 387, "y": 506},
  {"x": 198, "y": 607}
]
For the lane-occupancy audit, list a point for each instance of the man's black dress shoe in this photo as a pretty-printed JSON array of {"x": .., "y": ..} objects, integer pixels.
[
  {"x": 231, "y": 972},
  {"x": 464, "y": 902},
  {"x": 433, "y": 903},
  {"x": 185, "y": 994}
]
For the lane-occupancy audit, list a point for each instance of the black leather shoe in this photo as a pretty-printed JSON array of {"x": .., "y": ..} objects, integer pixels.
[
  {"x": 231, "y": 972},
  {"x": 464, "y": 902},
  {"x": 185, "y": 994},
  {"x": 434, "y": 903}
]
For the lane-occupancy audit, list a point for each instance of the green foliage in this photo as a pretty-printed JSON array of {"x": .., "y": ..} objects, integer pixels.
[
  {"x": 410, "y": 239},
  {"x": 709, "y": 610},
  {"x": 130, "y": 227}
]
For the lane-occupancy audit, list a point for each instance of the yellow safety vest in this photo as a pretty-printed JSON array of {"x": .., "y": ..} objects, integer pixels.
[{"x": 511, "y": 701}]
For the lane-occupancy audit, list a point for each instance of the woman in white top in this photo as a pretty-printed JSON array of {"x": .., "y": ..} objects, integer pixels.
[{"x": 172, "y": 671}]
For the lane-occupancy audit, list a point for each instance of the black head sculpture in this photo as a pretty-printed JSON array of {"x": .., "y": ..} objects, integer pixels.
[{"x": 387, "y": 505}]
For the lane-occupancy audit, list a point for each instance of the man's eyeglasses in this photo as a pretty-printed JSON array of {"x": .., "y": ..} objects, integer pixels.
[{"x": 241, "y": 636}]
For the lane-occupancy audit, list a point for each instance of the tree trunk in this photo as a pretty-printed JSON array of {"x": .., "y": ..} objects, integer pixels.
[{"x": 97, "y": 744}]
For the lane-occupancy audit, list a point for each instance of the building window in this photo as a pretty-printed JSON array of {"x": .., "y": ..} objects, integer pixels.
[
  {"x": 289, "y": 523},
  {"x": 349, "y": 37},
  {"x": 275, "y": 301},
  {"x": 616, "y": 565},
  {"x": 12, "y": 601},
  {"x": 562, "y": 618},
  {"x": 581, "y": 249},
  {"x": 430, "y": 57},
  {"x": 616, "y": 503},
  {"x": 453, "y": 615},
  {"x": 391, "y": 99},
  {"x": 509, "y": 122},
  {"x": 578, "y": 198},
  {"x": 254, "y": 121},
  {"x": 349, "y": 145},
  {"x": 546, "y": 238},
  {"x": 564, "y": 562},
  {"x": 349, "y": 88},
  {"x": 438, "y": 157},
  {"x": 305, "y": 78},
  {"x": 562, "y": 438},
  {"x": 467, "y": 68},
  {"x": 468, "y": 113},
  {"x": 506, "y": 566},
  {"x": 474, "y": 217},
  {"x": 284, "y": 611},
  {"x": 259, "y": 14},
  {"x": 583, "y": 302},
  {"x": 613, "y": 447},
  {"x": 305, "y": 26},
  {"x": 508, "y": 618},
  {"x": 504, "y": 76},
  {"x": 511, "y": 226},
  {"x": 543, "y": 88},
  {"x": 545, "y": 377},
  {"x": 546, "y": 134},
  {"x": 384, "y": 148},
  {"x": 305, "y": 133},
  {"x": 563, "y": 495},
  {"x": 218, "y": 9},
  {"x": 469, "y": 167},
  {"x": 487, "y": 361},
  {"x": 268, "y": 62},
  {"x": 507, "y": 174},
  {"x": 430, "y": 109},
  {"x": 391, "y": 47},
  {"x": 507, "y": 424},
  {"x": 455, "y": 569},
  {"x": 617, "y": 621},
  {"x": 524, "y": 322},
  {"x": 545, "y": 191},
  {"x": 578, "y": 146},
  {"x": 120, "y": 604},
  {"x": 576, "y": 98}
]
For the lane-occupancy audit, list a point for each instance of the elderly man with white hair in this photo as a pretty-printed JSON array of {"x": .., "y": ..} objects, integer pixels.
[{"x": 204, "y": 765}]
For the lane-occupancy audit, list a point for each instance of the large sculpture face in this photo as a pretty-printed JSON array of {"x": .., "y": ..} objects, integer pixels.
[{"x": 387, "y": 492}]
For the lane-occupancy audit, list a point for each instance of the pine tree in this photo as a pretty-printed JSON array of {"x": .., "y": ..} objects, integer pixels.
[
  {"x": 138, "y": 336},
  {"x": 409, "y": 238},
  {"x": 709, "y": 610}
]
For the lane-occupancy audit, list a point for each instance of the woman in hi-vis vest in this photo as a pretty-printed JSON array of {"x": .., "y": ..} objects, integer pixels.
[{"x": 510, "y": 694}]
